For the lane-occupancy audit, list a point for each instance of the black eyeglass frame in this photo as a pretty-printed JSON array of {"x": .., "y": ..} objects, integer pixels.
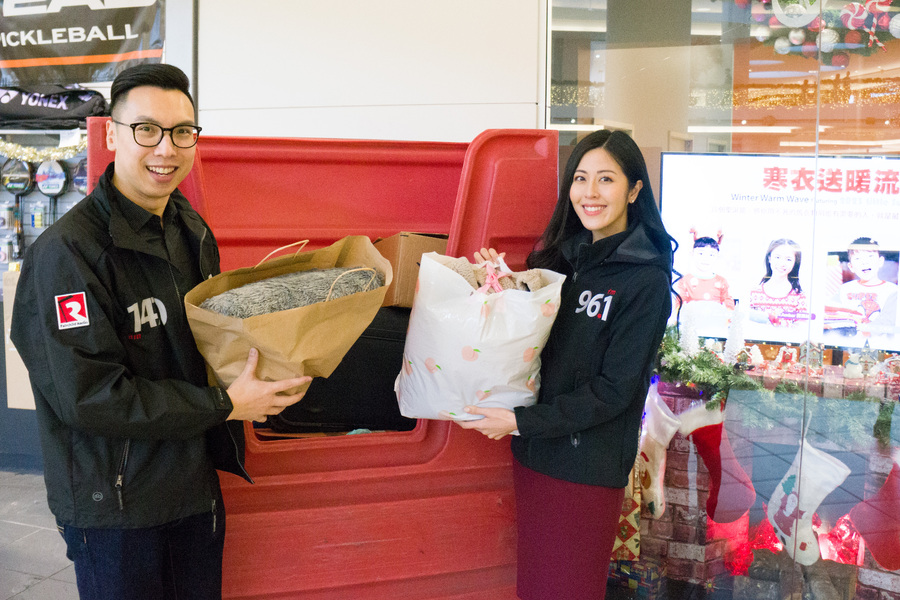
[{"x": 162, "y": 133}]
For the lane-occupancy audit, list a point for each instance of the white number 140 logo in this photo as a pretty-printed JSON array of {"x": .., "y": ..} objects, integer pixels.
[
  {"x": 593, "y": 304},
  {"x": 150, "y": 311}
]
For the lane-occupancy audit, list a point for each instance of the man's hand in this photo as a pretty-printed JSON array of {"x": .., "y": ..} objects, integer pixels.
[
  {"x": 255, "y": 399},
  {"x": 497, "y": 422}
]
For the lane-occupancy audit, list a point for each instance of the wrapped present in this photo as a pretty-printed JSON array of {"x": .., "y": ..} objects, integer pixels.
[
  {"x": 628, "y": 539},
  {"x": 645, "y": 579}
]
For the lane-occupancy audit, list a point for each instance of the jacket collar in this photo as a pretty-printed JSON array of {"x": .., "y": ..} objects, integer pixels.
[
  {"x": 122, "y": 226},
  {"x": 630, "y": 246}
]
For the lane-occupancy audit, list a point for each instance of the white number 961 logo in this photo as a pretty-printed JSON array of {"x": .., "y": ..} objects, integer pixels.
[{"x": 592, "y": 304}]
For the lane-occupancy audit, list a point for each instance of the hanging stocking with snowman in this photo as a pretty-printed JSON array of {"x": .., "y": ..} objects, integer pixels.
[{"x": 812, "y": 476}]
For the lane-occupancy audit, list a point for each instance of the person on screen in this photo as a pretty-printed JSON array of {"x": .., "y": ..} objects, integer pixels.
[
  {"x": 703, "y": 282},
  {"x": 779, "y": 299},
  {"x": 869, "y": 300}
]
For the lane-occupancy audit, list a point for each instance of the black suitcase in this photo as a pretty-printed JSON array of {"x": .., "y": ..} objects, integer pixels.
[{"x": 359, "y": 394}]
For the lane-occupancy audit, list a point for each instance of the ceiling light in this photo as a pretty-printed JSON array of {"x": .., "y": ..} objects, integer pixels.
[{"x": 739, "y": 129}]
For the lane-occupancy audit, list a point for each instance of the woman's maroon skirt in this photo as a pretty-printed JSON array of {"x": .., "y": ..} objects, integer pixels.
[{"x": 566, "y": 536}]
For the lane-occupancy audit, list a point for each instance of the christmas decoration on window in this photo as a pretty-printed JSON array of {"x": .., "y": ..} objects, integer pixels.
[
  {"x": 826, "y": 30},
  {"x": 848, "y": 401}
]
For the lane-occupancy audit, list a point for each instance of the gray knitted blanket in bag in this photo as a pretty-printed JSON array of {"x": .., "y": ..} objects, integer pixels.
[{"x": 293, "y": 290}]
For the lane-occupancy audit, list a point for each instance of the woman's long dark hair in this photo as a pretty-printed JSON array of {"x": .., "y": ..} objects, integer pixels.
[
  {"x": 564, "y": 222},
  {"x": 794, "y": 275}
]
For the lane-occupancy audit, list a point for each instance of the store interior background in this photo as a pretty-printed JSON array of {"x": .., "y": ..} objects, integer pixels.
[{"x": 699, "y": 76}]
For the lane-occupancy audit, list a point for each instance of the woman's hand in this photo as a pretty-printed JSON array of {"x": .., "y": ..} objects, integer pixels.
[
  {"x": 497, "y": 422},
  {"x": 488, "y": 255}
]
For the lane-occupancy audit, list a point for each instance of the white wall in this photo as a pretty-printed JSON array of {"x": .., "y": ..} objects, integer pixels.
[{"x": 365, "y": 69}]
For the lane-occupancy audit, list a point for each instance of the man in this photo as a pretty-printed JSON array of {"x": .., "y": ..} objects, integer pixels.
[{"x": 130, "y": 431}]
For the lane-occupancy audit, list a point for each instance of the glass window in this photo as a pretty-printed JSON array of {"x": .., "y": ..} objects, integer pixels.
[{"x": 771, "y": 127}]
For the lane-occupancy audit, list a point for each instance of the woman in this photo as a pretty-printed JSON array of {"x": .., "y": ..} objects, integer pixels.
[
  {"x": 576, "y": 446},
  {"x": 779, "y": 299}
]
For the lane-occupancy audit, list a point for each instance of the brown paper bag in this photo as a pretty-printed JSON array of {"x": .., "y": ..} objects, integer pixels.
[{"x": 309, "y": 340}]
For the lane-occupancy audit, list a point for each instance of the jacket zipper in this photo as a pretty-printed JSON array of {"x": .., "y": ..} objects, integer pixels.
[
  {"x": 237, "y": 453},
  {"x": 200, "y": 256},
  {"x": 214, "y": 515},
  {"x": 174, "y": 282},
  {"x": 120, "y": 475}
]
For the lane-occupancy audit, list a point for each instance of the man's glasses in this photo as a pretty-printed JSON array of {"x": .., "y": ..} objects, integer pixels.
[{"x": 150, "y": 135}]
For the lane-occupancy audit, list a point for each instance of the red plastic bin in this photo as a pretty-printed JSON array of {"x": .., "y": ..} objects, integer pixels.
[{"x": 423, "y": 514}]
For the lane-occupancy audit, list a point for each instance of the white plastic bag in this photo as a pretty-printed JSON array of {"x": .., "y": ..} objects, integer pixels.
[{"x": 466, "y": 347}]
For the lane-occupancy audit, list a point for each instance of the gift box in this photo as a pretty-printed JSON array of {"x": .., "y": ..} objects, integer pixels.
[
  {"x": 627, "y": 546},
  {"x": 645, "y": 579}
]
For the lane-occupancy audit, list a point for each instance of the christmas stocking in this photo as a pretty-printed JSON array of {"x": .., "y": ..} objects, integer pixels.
[
  {"x": 878, "y": 520},
  {"x": 797, "y": 497},
  {"x": 731, "y": 492},
  {"x": 660, "y": 424}
]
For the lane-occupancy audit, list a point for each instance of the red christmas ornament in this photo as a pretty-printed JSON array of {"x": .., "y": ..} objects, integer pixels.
[
  {"x": 810, "y": 50},
  {"x": 743, "y": 3},
  {"x": 840, "y": 59},
  {"x": 883, "y": 21},
  {"x": 816, "y": 25},
  {"x": 774, "y": 23},
  {"x": 853, "y": 37}
]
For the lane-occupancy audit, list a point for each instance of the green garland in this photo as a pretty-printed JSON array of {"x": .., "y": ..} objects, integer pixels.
[
  {"x": 855, "y": 421},
  {"x": 704, "y": 371}
]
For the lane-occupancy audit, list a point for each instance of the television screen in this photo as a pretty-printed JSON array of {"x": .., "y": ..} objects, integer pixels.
[{"x": 806, "y": 247}]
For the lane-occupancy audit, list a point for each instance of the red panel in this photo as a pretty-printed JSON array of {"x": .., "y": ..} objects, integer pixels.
[
  {"x": 262, "y": 194},
  {"x": 506, "y": 194},
  {"x": 98, "y": 157}
]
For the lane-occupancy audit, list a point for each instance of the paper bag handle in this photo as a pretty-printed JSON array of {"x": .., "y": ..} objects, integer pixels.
[
  {"x": 331, "y": 289},
  {"x": 302, "y": 244}
]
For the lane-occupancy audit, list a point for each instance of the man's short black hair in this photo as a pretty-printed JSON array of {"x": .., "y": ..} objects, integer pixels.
[{"x": 167, "y": 77}]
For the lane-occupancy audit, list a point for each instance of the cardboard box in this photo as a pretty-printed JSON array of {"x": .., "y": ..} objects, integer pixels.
[
  {"x": 18, "y": 386},
  {"x": 404, "y": 251}
]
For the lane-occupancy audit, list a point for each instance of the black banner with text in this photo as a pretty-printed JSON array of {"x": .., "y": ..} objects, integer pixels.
[{"x": 71, "y": 41}]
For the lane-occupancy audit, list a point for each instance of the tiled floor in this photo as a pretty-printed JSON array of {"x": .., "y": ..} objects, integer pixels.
[{"x": 33, "y": 563}]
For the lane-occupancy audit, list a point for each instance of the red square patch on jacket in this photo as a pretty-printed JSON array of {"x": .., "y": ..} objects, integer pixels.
[{"x": 72, "y": 311}]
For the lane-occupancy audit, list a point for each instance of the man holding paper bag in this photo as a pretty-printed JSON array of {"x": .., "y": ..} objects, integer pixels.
[{"x": 131, "y": 431}]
